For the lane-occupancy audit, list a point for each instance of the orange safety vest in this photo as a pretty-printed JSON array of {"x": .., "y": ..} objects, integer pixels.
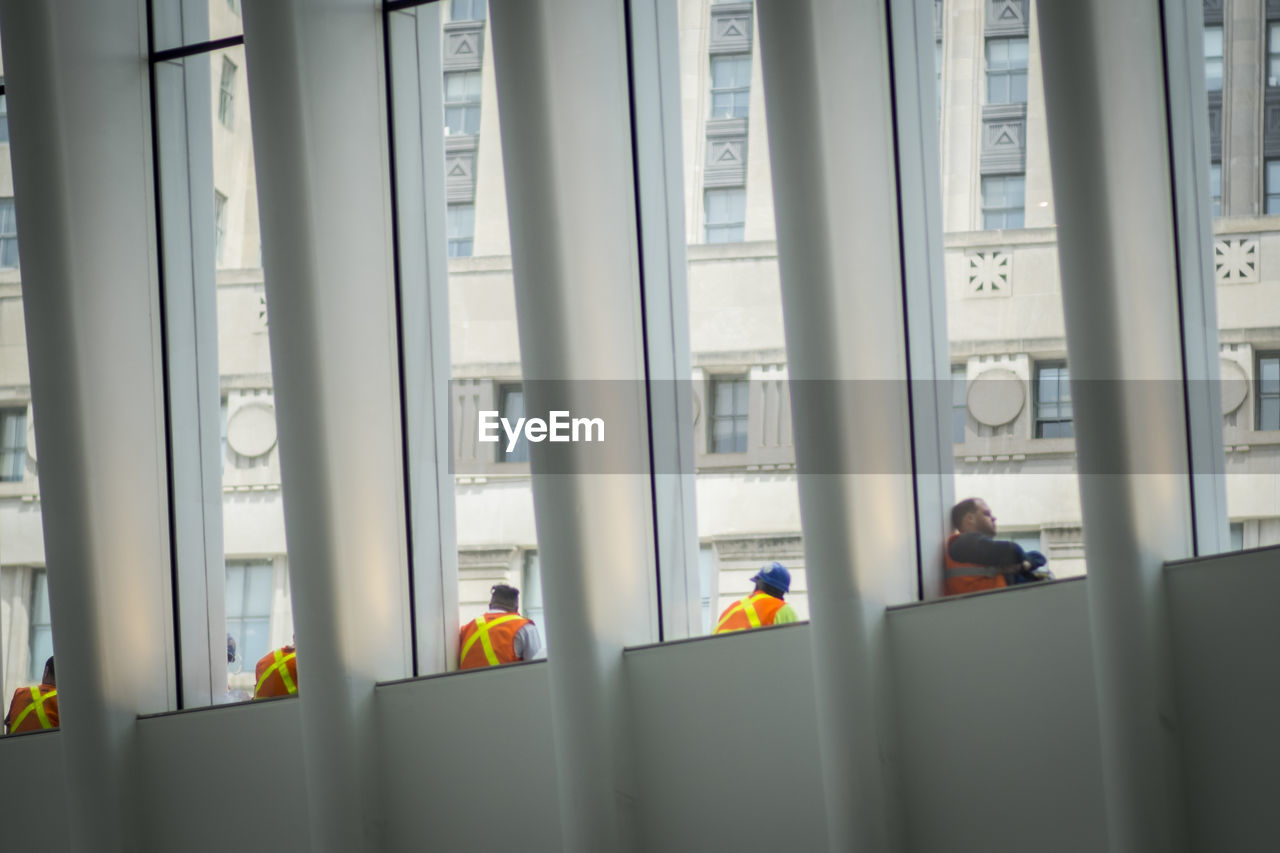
[
  {"x": 33, "y": 708},
  {"x": 755, "y": 611},
  {"x": 489, "y": 640},
  {"x": 277, "y": 674},
  {"x": 969, "y": 577}
]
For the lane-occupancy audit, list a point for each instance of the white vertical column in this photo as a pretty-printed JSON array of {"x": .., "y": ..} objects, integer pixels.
[
  {"x": 418, "y": 124},
  {"x": 184, "y": 151},
  {"x": 1193, "y": 212},
  {"x": 76, "y": 81},
  {"x": 655, "y": 48},
  {"x": 318, "y": 100},
  {"x": 563, "y": 100},
  {"x": 836, "y": 204},
  {"x": 1109, "y": 147}
]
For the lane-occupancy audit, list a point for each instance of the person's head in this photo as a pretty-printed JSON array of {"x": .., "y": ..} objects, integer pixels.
[
  {"x": 49, "y": 674},
  {"x": 773, "y": 579},
  {"x": 231, "y": 648},
  {"x": 504, "y": 597},
  {"x": 972, "y": 515}
]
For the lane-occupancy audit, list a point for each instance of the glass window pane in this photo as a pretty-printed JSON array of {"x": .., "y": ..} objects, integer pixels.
[
  {"x": 214, "y": 183},
  {"x": 1273, "y": 54},
  {"x": 26, "y": 625},
  {"x": 178, "y": 23},
  {"x": 1004, "y": 302},
  {"x": 1269, "y": 418}
]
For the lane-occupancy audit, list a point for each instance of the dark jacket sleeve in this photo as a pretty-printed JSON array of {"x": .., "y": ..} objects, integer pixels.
[{"x": 985, "y": 551}]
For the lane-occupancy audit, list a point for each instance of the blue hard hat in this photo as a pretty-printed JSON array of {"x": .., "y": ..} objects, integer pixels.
[{"x": 775, "y": 574}]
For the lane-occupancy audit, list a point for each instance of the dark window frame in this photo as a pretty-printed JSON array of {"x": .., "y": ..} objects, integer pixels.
[
  {"x": 13, "y": 458},
  {"x": 1053, "y": 421},
  {"x": 1005, "y": 75},
  {"x": 739, "y": 420},
  {"x": 521, "y": 451},
  {"x": 1263, "y": 396},
  {"x": 1010, "y": 216}
]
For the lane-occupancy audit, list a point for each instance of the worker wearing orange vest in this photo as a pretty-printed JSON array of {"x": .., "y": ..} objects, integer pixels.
[
  {"x": 277, "y": 673},
  {"x": 975, "y": 560},
  {"x": 499, "y": 636},
  {"x": 36, "y": 707},
  {"x": 762, "y": 608}
]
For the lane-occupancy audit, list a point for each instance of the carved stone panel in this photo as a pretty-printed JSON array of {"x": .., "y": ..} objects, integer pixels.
[
  {"x": 460, "y": 168},
  {"x": 1235, "y": 261},
  {"x": 463, "y": 45},
  {"x": 459, "y": 173},
  {"x": 468, "y": 397},
  {"x": 1004, "y": 139},
  {"x": 1006, "y": 18},
  {"x": 996, "y": 397},
  {"x": 990, "y": 273},
  {"x": 1235, "y": 385},
  {"x": 726, "y": 164},
  {"x": 731, "y": 28}
]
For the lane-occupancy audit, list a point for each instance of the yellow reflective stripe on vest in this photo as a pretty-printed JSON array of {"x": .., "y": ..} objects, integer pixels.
[
  {"x": 37, "y": 704},
  {"x": 281, "y": 665},
  {"x": 482, "y": 634},
  {"x": 747, "y": 606}
]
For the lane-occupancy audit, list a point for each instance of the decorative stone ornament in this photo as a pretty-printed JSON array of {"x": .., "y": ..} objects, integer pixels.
[
  {"x": 996, "y": 397},
  {"x": 251, "y": 429},
  {"x": 1236, "y": 261},
  {"x": 1234, "y": 385},
  {"x": 990, "y": 273}
]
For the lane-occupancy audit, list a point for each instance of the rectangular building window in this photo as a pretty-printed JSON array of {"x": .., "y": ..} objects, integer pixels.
[
  {"x": 1213, "y": 58},
  {"x": 511, "y": 407},
  {"x": 1273, "y": 53},
  {"x": 729, "y": 413},
  {"x": 726, "y": 214},
  {"x": 1053, "y": 401},
  {"x": 1215, "y": 188},
  {"x": 13, "y": 444},
  {"x": 959, "y": 402},
  {"x": 4, "y": 115},
  {"x": 461, "y": 225},
  {"x": 730, "y": 85},
  {"x": 1003, "y": 201},
  {"x": 1237, "y": 536},
  {"x": 1268, "y": 390},
  {"x": 219, "y": 225},
  {"x": 40, "y": 636},
  {"x": 461, "y": 102},
  {"x": 8, "y": 234},
  {"x": 1007, "y": 71},
  {"x": 227, "y": 93},
  {"x": 1273, "y": 186},
  {"x": 248, "y": 598},
  {"x": 467, "y": 10}
]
